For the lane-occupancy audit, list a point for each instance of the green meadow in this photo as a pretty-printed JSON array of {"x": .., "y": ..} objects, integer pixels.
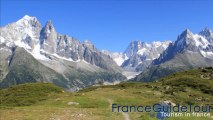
[{"x": 45, "y": 101}]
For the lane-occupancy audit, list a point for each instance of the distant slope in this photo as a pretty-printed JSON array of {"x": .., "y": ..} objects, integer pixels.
[
  {"x": 24, "y": 68},
  {"x": 180, "y": 62}
]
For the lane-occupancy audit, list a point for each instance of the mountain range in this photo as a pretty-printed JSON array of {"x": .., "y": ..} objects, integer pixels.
[
  {"x": 188, "y": 51},
  {"x": 32, "y": 53}
]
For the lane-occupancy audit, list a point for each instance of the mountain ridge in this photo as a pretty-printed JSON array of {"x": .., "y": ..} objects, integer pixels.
[
  {"x": 76, "y": 61},
  {"x": 79, "y": 64},
  {"x": 187, "y": 52}
]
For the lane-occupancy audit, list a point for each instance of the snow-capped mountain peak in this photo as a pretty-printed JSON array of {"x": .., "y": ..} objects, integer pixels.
[
  {"x": 44, "y": 43},
  {"x": 25, "y": 32},
  {"x": 188, "y": 42},
  {"x": 141, "y": 48},
  {"x": 133, "y": 48},
  {"x": 141, "y": 54},
  {"x": 186, "y": 34},
  {"x": 206, "y": 31},
  {"x": 190, "y": 39},
  {"x": 28, "y": 21},
  {"x": 27, "y": 17}
]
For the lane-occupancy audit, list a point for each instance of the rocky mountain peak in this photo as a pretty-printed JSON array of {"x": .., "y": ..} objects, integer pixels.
[
  {"x": 208, "y": 34},
  {"x": 136, "y": 44},
  {"x": 133, "y": 48},
  {"x": 140, "y": 54},
  {"x": 27, "y": 18},
  {"x": 188, "y": 43},
  {"x": 186, "y": 38},
  {"x": 28, "y": 21},
  {"x": 49, "y": 27},
  {"x": 206, "y": 30},
  {"x": 88, "y": 44},
  {"x": 186, "y": 34}
]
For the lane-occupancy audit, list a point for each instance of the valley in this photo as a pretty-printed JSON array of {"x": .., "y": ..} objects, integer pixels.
[{"x": 106, "y": 60}]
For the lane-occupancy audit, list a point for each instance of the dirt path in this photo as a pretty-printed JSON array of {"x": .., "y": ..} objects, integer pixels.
[{"x": 125, "y": 115}]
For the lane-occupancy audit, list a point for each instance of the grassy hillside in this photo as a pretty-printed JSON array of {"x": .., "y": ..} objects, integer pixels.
[
  {"x": 94, "y": 103},
  {"x": 27, "y": 94}
]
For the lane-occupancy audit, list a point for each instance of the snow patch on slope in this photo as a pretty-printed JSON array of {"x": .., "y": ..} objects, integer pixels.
[
  {"x": 119, "y": 60},
  {"x": 142, "y": 51},
  {"x": 37, "y": 53},
  {"x": 200, "y": 41},
  {"x": 2, "y": 40},
  {"x": 20, "y": 43},
  {"x": 207, "y": 54}
]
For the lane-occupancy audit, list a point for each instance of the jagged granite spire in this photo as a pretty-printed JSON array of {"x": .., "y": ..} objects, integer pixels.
[
  {"x": 48, "y": 38},
  {"x": 185, "y": 34},
  {"x": 208, "y": 34}
]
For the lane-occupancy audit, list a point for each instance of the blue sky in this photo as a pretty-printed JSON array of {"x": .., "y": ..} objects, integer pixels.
[{"x": 113, "y": 24}]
